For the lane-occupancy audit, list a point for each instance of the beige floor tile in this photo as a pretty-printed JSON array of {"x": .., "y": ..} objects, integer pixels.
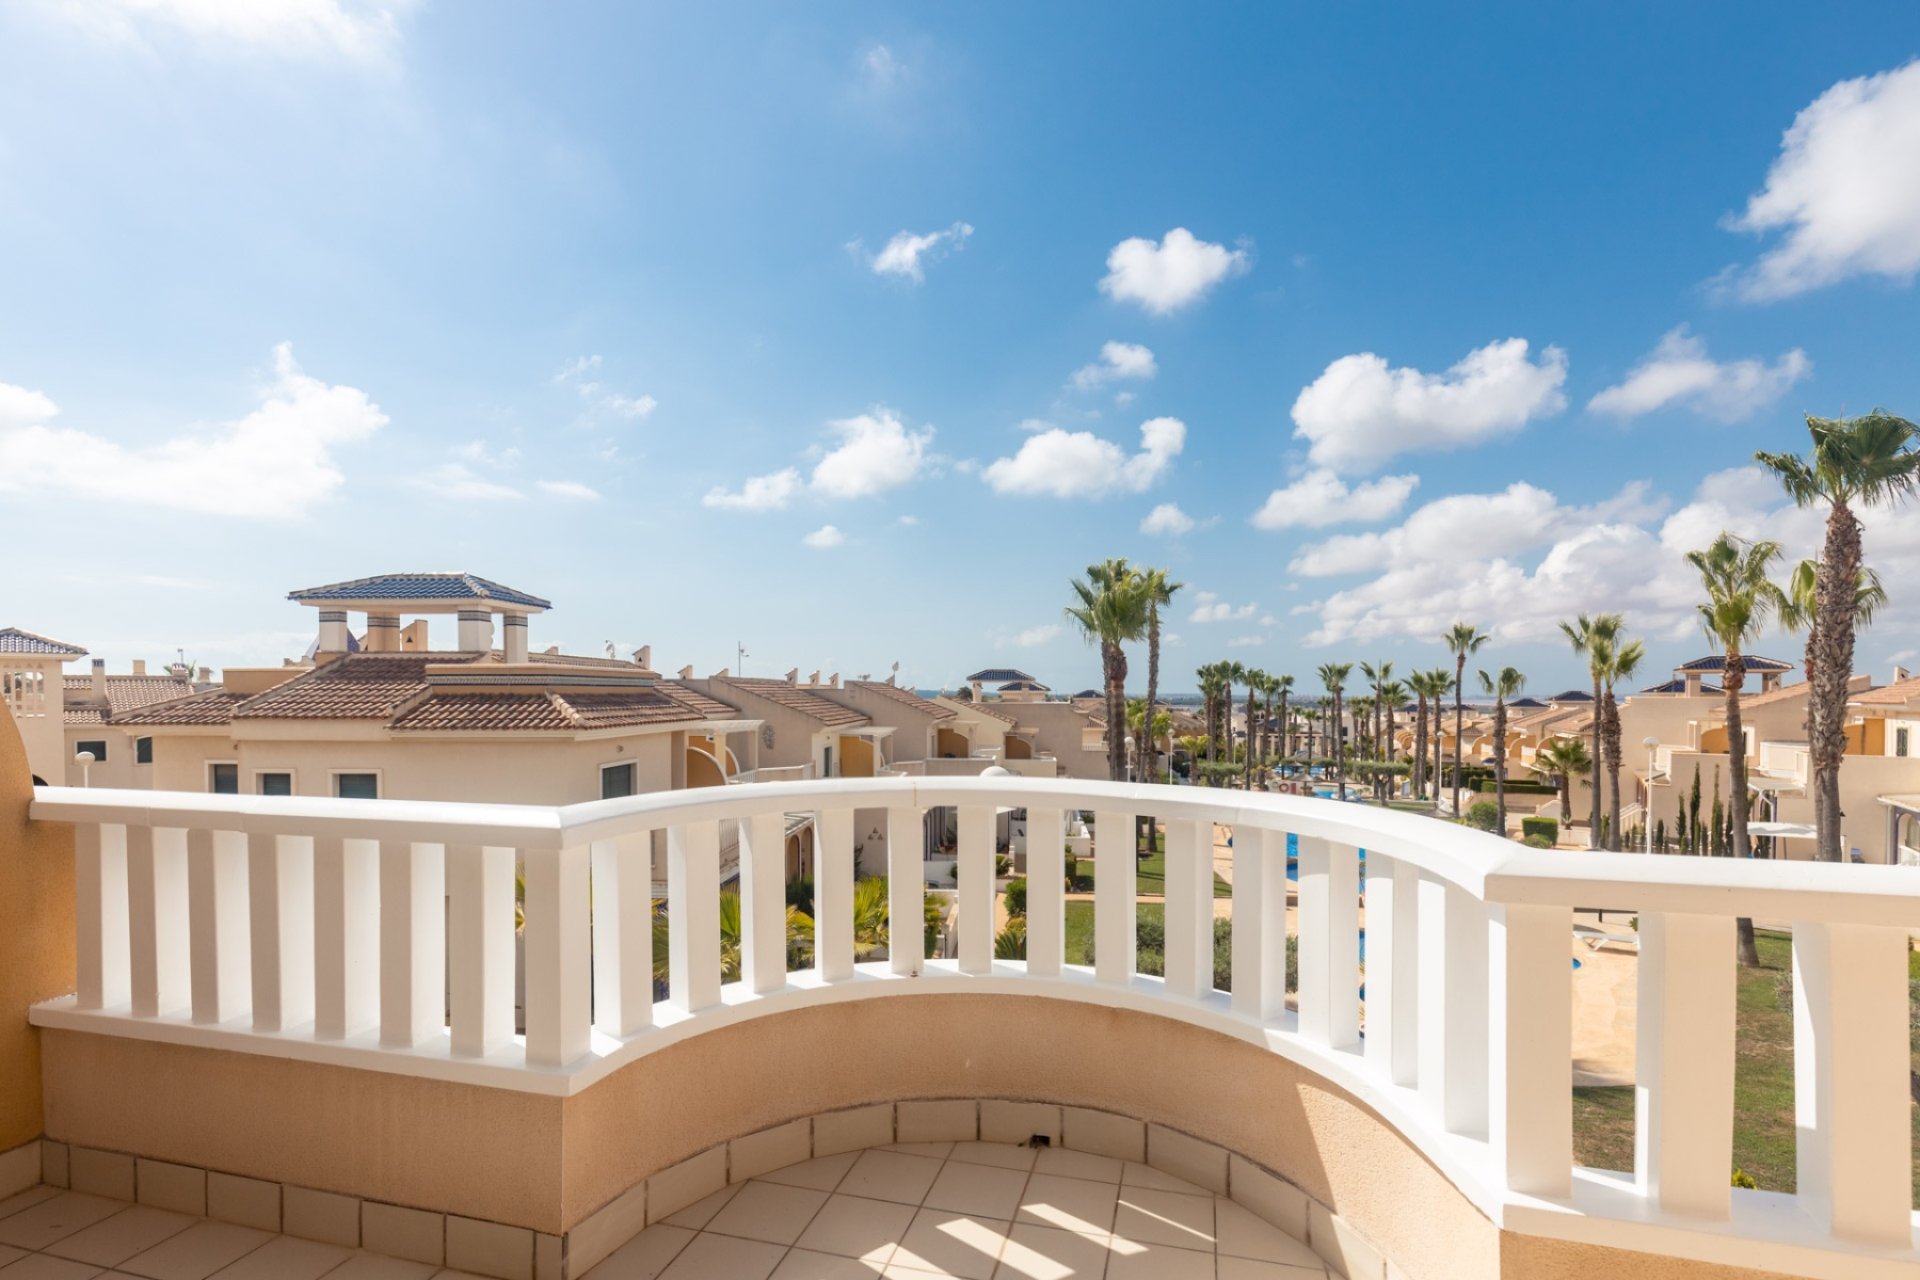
[
  {"x": 700, "y": 1212},
  {"x": 374, "y": 1266},
  {"x": 955, "y": 1244},
  {"x": 645, "y": 1256},
  {"x": 977, "y": 1189},
  {"x": 804, "y": 1264},
  {"x": 287, "y": 1258},
  {"x": 1046, "y": 1253},
  {"x": 853, "y": 1227},
  {"x": 934, "y": 1150},
  {"x": 44, "y": 1266},
  {"x": 26, "y": 1200},
  {"x": 711, "y": 1257},
  {"x": 1077, "y": 1164},
  {"x": 823, "y": 1174},
  {"x": 1071, "y": 1204},
  {"x": 1241, "y": 1234},
  {"x": 1253, "y": 1269},
  {"x": 10, "y": 1254},
  {"x": 197, "y": 1252},
  {"x": 1162, "y": 1217},
  {"x": 889, "y": 1175},
  {"x": 768, "y": 1211},
  {"x": 55, "y": 1218},
  {"x": 1150, "y": 1178},
  {"x": 1000, "y": 1154},
  {"x": 111, "y": 1241},
  {"x": 1159, "y": 1262}
]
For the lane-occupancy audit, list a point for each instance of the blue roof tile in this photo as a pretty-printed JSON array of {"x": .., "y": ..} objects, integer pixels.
[{"x": 451, "y": 587}]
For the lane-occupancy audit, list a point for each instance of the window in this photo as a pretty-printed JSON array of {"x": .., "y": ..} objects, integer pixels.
[
  {"x": 276, "y": 784},
  {"x": 223, "y": 779},
  {"x": 143, "y": 750},
  {"x": 616, "y": 780},
  {"x": 1900, "y": 741},
  {"x": 98, "y": 750},
  {"x": 357, "y": 786}
]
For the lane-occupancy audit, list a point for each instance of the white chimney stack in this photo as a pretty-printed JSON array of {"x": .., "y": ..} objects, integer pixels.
[
  {"x": 476, "y": 631},
  {"x": 333, "y": 631},
  {"x": 99, "y": 678},
  {"x": 139, "y": 666},
  {"x": 793, "y": 676},
  {"x": 686, "y": 672},
  {"x": 643, "y": 656},
  {"x": 515, "y": 627}
]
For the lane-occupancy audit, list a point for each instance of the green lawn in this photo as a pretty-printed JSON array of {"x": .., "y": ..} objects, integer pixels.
[
  {"x": 1763, "y": 1141},
  {"x": 1152, "y": 877},
  {"x": 1079, "y": 945}
]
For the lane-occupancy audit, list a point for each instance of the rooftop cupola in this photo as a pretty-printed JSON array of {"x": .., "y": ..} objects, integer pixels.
[{"x": 388, "y": 598}]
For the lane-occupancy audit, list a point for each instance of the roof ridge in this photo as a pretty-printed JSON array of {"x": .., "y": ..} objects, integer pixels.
[{"x": 566, "y": 709}]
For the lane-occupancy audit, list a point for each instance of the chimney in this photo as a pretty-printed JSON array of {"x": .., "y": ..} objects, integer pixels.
[
  {"x": 513, "y": 629},
  {"x": 413, "y": 636},
  {"x": 893, "y": 677},
  {"x": 686, "y": 672},
  {"x": 643, "y": 656},
  {"x": 793, "y": 676},
  {"x": 99, "y": 685},
  {"x": 139, "y": 666},
  {"x": 333, "y": 631},
  {"x": 206, "y": 675},
  {"x": 721, "y": 674},
  {"x": 834, "y": 679},
  {"x": 476, "y": 631},
  {"x": 815, "y": 677}
]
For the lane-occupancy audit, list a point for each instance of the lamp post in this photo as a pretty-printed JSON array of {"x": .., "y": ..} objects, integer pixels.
[
  {"x": 1650, "y": 743},
  {"x": 85, "y": 760}
]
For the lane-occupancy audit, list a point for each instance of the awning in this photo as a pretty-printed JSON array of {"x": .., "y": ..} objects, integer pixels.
[
  {"x": 1773, "y": 782},
  {"x": 1909, "y": 802},
  {"x": 1783, "y": 830}
]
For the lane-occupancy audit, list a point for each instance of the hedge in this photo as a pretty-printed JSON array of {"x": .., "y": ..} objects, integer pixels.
[
  {"x": 1486, "y": 787},
  {"x": 1546, "y": 828}
]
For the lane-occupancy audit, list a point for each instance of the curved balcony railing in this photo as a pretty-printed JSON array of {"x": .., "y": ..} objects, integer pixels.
[{"x": 382, "y": 935}]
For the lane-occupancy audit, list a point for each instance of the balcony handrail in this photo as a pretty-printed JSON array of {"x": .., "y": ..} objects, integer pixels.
[{"x": 380, "y": 934}]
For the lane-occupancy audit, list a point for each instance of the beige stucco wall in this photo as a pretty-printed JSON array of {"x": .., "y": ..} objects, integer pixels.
[
  {"x": 36, "y": 935},
  {"x": 1063, "y": 730},
  {"x": 797, "y": 739}
]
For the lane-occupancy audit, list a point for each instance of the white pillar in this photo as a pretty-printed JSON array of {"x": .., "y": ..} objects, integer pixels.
[
  {"x": 333, "y": 631},
  {"x": 1683, "y": 1063},
  {"x": 157, "y": 919},
  {"x": 622, "y": 891},
  {"x": 1329, "y": 943},
  {"x": 1530, "y": 1019},
  {"x": 383, "y": 633},
  {"x": 1259, "y": 923},
  {"x": 1046, "y": 891},
  {"x": 346, "y": 924},
  {"x": 514, "y": 636},
  {"x": 906, "y": 890},
  {"x": 763, "y": 902},
  {"x": 413, "y": 943},
  {"x": 222, "y": 982},
  {"x": 559, "y": 959},
  {"x": 974, "y": 853},
  {"x": 1189, "y": 908},
  {"x": 1115, "y": 895},
  {"x": 833, "y": 894},
  {"x": 476, "y": 631},
  {"x": 480, "y": 933},
  {"x": 693, "y": 915},
  {"x": 1393, "y": 969},
  {"x": 280, "y": 894},
  {"x": 1453, "y": 1006},
  {"x": 101, "y": 931}
]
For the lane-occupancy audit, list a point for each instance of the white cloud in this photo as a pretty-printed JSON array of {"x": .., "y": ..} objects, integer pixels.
[
  {"x": 484, "y": 454},
  {"x": 575, "y": 373},
  {"x": 760, "y": 493},
  {"x": 1246, "y": 642},
  {"x": 1360, "y": 411},
  {"x": 1035, "y": 636},
  {"x": 880, "y": 68},
  {"x": 876, "y": 453},
  {"x": 1172, "y": 274},
  {"x": 908, "y": 520},
  {"x": 1167, "y": 519},
  {"x": 572, "y": 490},
  {"x": 577, "y": 368},
  {"x": 360, "y": 30},
  {"x": 1208, "y": 607},
  {"x": 1320, "y": 498},
  {"x": 1844, "y": 191},
  {"x": 20, "y": 407},
  {"x": 1118, "y": 360},
  {"x": 825, "y": 538},
  {"x": 1078, "y": 464},
  {"x": 904, "y": 256},
  {"x": 277, "y": 462},
  {"x": 462, "y": 483},
  {"x": 1679, "y": 372},
  {"x": 630, "y": 406}
]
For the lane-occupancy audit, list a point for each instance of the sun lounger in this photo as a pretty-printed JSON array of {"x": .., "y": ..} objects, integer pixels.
[{"x": 1597, "y": 938}]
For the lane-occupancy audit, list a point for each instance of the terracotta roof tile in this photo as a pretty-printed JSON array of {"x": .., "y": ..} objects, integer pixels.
[
  {"x": 794, "y": 698},
  {"x": 359, "y": 686},
  {"x": 210, "y": 706},
  {"x": 986, "y": 710},
  {"x": 128, "y": 693},
  {"x": 487, "y": 712},
  {"x": 1889, "y": 694},
  {"x": 905, "y": 697},
  {"x": 707, "y": 708},
  {"x": 1785, "y": 693}
]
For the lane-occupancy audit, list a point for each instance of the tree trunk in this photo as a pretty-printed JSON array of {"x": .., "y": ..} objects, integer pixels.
[
  {"x": 1459, "y": 725},
  {"x": 1152, "y": 757},
  {"x": 1611, "y": 742},
  {"x": 1420, "y": 748},
  {"x": 1593, "y": 821},
  {"x": 1250, "y": 735},
  {"x": 1286, "y": 724},
  {"x": 1339, "y": 748},
  {"x": 1735, "y": 678},
  {"x": 1500, "y": 764},
  {"x": 1831, "y": 647},
  {"x": 1116, "y": 669}
]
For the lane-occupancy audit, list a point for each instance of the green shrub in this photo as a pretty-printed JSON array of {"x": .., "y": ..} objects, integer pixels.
[
  {"x": 1546, "y": 828},
  {"x": 1741, "y": 1178},
  {"x": 1017, "y": 896},
  {"x": 1515, "y": 787},
  {"x": 1484, "y": 814},
  {"x": 1011, "y": 942},
  {"x": 1537, "y": 842}
]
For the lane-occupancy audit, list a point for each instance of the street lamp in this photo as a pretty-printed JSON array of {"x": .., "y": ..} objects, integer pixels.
[
  {"x": 1650, "y": 743},
  {"x": 85, "y": 760},
  {"x": 1129, "y": 741}
]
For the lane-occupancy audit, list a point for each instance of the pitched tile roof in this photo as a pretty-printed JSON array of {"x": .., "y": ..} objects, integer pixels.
[
  {"x": 124, "y": 694},
  {"x": 986, "y": 710},
  {"x": 998, "y": 675},
  {"x": 1888, "y": 694},
  {"x": 1680, "y": 686},
  {"x": 359, "y": 686},
  {"x": 542, "y": 712},
  {"x": 1023, "y": 686},
  {"x": 707, "y": 708},
  {"x": 905, "y": 697},
  {"x": 794, "y": 698},
  {"x": 1718, "y": 662},
  {"x": 1785, "y": 693},
  {"x": 450, "y": 587},
  {"x": 14, "y": 640},
  {"x": 210, "y": 706},
  {"x": 1572, "y": 695}
]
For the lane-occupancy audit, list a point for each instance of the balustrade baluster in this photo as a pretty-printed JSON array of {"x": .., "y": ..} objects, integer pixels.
[
  {"x": 1046, "y": 890},
  {"x": 480, "y": 934},
  {"x": 974, "y": 854},
  {"x": 833, "y": 894},
  {"x": 693, "y": 915},
  {"x": 1116, "y": 869},
  {"x": 1453, "y": 1006},
  {"x": 346, "y": 924},
  {"x": 157, "y": 920},
  {"x": 559, "y": 956},
  {"x": 763, "y": 902},
  {"x": 906, "y": 889},
  {"x": 1683, "y": 1062},
  {"x": 1850, "y": 1062},
  {"x": 413, "y": 943},
  {"x": 1329, "y": 943},
  {"x": 1530, "y": 1014},
  {"x": 622, "y": 899},
  {"x": 220, "y": 948},
  {"x": 101, "y": 929},
  {"x": 1189, "y": 908},
  {"x": 1393, "y": 969},
  {"x": 280, "y": 920}
]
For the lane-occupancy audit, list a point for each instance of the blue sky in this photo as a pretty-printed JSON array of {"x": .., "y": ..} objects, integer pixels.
[{"x": 852, "y": 332}]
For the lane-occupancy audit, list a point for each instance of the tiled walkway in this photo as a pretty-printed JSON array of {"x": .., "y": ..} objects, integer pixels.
[
  {"x": 979, "y": 1211},
  {"x": 49, "y": 1234}
]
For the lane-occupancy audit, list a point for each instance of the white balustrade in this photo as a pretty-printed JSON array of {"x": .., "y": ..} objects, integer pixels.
[{"x": 382, "y": 934}]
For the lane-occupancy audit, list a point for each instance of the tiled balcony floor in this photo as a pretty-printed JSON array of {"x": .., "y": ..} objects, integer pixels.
[
  {"x": 49, "y": 1234},
  {"x": 977, "y": 1211}
]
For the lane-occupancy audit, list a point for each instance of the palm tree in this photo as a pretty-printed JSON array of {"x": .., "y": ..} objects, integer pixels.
[
  {"x": 1589, "y": 637},
  {"x": 1283, "y": 685},
  {"x": 1462, "y": 639},
  {"x": 1112, "y": 610},
  {"x": 1562, "y": 760},
  {"x": 1334, "y": 676},
  {"x": 1159, "y": 591},
  {"x": 1256, "y": 681},
  {"x": 1137, "y": 724},
  {"x": 1212, "y": 688},
  {"x": 1506, "y": 684},
  {"x": 1866, "y": 460},
  {"x": 1394, "y": 694},
  {"x": 1740, "y": 596},
  {"x": 1441, "y": 682},
  {"x": 1618, "y": 661},
  {"x": 799, "y": 937},
  {"x": 1418, "y": 682},
  {"x": 1801, "y": 594}
]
